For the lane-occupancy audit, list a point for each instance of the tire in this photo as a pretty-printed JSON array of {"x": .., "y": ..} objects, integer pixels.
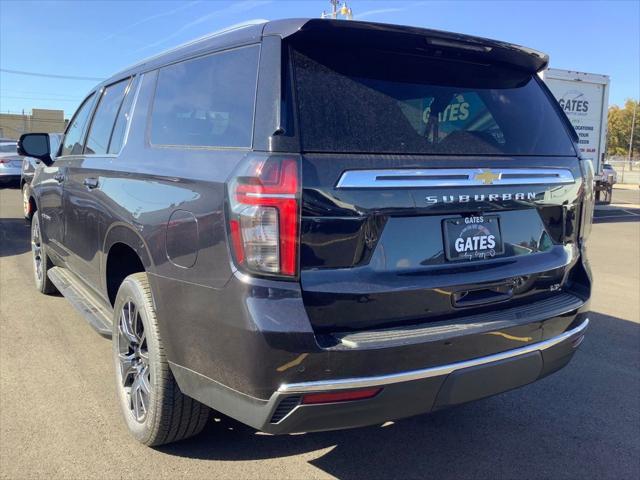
[
  {"x": 26, "y": 204},
  {"x": 155, "y": 410},
  {"x": 40, "y": 259}
]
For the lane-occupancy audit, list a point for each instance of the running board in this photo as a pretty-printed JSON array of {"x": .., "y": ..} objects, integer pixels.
[{"x": 86, "y": 302}]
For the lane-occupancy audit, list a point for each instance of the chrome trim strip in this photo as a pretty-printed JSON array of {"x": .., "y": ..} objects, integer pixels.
[
  {"x": 453, "y": 177},
  {"x": 270, "y": 195},
  {"x": 132, "y": 110},
  {"x": 363, "y": 382}
]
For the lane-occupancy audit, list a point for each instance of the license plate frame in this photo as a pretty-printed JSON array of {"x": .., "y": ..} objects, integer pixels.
[{"x": 470, "y": 226}]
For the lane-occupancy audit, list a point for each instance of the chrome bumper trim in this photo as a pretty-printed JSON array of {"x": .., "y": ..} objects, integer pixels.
[{"x": 381, "y": 380}]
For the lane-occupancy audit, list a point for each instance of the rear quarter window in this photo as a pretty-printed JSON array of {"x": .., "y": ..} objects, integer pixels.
[{"x": 207, "y": 101}]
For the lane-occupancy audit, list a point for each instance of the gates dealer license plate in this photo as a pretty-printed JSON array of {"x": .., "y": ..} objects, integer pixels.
[{"x": 472, "y": 238}]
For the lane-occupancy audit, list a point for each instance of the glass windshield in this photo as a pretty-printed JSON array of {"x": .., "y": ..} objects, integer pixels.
[{"x": 374, "y": 101}]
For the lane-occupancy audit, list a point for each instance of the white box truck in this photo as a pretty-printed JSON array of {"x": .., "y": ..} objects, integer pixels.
[{"x": 584, "y": 97}]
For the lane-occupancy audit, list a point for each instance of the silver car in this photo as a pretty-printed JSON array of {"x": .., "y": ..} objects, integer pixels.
[
  {"x": 10, "y": 163},
  {"x": 608, "y": 172}
]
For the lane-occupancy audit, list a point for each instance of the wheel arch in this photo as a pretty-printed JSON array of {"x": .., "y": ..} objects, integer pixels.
[
  {"x": 32, "y": 199},
  {"x": 124, "y": 252}
]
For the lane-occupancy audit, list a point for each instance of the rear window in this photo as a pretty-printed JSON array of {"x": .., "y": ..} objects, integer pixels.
[
  {"x": 373, "y": 101},
  {"x": 207, "y": 101}
]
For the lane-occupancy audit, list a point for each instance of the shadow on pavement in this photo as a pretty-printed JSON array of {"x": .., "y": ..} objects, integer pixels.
[
  {"x": 583, "y": 421},
  {"x": 611, "y": 214},
  {"x": 14, "y": 236}
]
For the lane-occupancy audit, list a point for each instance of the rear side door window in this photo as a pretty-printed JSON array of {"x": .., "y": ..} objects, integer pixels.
[
  {"x": 105, "y": 117},
  {"x": 123, "y": 119},
  {"x": 73, "y": 140},
  {"x": 207, "y": 101}
]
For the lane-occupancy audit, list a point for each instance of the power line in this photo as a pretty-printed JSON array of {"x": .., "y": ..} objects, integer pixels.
[{"x": 48, "y": 75}]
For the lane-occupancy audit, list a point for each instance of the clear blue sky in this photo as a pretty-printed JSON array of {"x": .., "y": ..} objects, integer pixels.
[{"x": 98, "y": 38}]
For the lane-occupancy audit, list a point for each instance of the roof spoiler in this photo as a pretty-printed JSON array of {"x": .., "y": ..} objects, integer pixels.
[{"x": 478, "y": 48}]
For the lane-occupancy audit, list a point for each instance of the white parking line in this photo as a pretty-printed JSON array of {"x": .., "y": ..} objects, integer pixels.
[{"x": 627, "y": 214}]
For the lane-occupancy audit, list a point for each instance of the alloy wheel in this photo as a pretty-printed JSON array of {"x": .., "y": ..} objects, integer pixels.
[{"x": 133, "y": 360}]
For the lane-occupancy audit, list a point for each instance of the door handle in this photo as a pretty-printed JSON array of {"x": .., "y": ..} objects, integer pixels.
[
  {"x": 59, "y": 177},
  {"x": 90, "y": 182}
]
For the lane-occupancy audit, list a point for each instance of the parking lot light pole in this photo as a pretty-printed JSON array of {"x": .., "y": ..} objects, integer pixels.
[{"x": 633, "y": 124}]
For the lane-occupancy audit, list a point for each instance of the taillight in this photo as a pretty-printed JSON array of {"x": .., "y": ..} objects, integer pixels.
[
  {"x": 588, "y": 200},
  {"x": 264, "y": 215}
]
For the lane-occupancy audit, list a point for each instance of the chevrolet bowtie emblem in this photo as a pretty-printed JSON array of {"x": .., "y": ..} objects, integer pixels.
[{"x": 487, "y": 177}]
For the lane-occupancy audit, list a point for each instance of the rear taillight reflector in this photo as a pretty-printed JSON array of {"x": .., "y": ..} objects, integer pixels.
[
  {"x": 236, "y": 240},
  {"x": 344, "y": 396}
]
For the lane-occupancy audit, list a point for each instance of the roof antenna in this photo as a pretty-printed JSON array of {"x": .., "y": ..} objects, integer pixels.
[{"x": 345, "y": 11}]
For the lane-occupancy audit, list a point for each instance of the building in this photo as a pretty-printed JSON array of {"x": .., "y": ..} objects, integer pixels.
[{"x": 41, "y": 120}]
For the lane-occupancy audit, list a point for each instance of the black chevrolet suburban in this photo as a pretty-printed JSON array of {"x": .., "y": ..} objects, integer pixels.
[{"x": 313, "y": 224}]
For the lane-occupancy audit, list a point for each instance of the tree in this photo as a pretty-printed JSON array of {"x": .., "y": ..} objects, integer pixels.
[{"x": 619, "y": 130}]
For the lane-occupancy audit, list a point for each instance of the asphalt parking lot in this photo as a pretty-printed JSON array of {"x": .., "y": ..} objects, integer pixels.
[
  {"x": 625, "y": 205},
  {"x": 59, "y": 418}
]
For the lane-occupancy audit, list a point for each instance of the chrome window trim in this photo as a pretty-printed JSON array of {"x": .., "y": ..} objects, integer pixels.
[
  {"x": 453, "y": 177},
  {"x": 381, "y": 380},
  {"x": 132, "y": 109}
]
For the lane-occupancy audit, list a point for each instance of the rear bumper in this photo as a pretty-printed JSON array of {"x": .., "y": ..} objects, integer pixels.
[
  {"x": 403, "y": 394},
  {"x": 248, "y": 350}
]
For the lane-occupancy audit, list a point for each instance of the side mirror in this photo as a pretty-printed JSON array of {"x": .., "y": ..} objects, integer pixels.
[{"x": 36, "y": 145}]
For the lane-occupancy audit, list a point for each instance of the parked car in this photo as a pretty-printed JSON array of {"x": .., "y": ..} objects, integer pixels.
[
  {"x": 608, "y": 172},
  {"x": 312, "y": 225},
  {"x": 29, "y": 165},
  {"x": 10, "y": 163}
]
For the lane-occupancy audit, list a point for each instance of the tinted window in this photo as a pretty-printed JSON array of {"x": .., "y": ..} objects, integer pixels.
[
  {"x": 372, "y": 101},
  {"x": 73, "y": 139},
  {"x": 207, "y": 101},
  {"x": 117, "y": 138},
  {"x": 104, "y": 118}
]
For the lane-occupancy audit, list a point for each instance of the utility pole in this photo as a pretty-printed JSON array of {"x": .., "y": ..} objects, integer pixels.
[
  {"x": 633, "y": 124},
  {"x": 345, "y": 11}
]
